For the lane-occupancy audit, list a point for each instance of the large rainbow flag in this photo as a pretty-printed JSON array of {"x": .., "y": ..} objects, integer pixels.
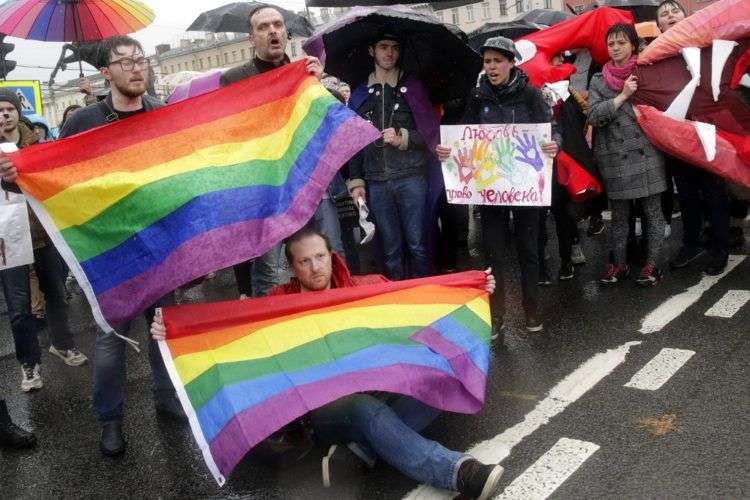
[
  {"x": 244, "y": 369},
  {"x": 143, "y": 205}
]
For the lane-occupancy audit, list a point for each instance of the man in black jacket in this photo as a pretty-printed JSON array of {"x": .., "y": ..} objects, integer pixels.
[
  {"x": 269, "y": 36},
  {"x": 125, "y": 68},
  {"x": 505, "y": 96},
  {"x": 394, "y": 168}
]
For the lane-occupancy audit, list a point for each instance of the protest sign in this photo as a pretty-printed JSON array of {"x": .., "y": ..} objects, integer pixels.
[{"x": 499, "y": 164}]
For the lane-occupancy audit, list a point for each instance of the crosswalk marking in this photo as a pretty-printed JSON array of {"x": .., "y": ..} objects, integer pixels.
[
  {"x": 729, "y": 304},
  {"x": 550, "y": 471},
  {"x": 660, "y": 369},
  {"x": 674, "y": 306},
  {"x": 567, "y": 391}
]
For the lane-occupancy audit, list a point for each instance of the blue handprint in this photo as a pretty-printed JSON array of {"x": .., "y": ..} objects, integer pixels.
[{"x": 530, "y": 153}]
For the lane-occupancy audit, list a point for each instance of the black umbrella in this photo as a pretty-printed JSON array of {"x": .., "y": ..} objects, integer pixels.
[
  {"x": 548, "y": 17},
  {"x": 510, "y": 29},
  {"x": 429, "y": 48},
  {"x": 643, "y": 10},
  {"x": 233, "y": 18}
]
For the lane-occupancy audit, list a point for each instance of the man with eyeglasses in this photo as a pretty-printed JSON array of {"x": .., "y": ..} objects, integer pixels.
[{"x": 126, "y": 71}]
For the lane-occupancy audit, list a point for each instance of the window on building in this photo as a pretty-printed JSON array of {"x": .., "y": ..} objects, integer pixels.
[
  {"x": 454, "y": 16},
  {"x": 439, "y": 15},
  {"x": 470, "y": 13},
  {"x": 226, "y": 57},
  {"x": 234, "y": 55},
  {"x": 164, "y": 70},
  {"x": 503, "y": 4},
  {"x": 242, "y": 54},
  {"x": 171, "y": 68},
  {"x": 485, "y": 10},
  {"x": 200, "y": 63},
  {"x": 293, "y": 49},
  {"x": 547, "y": 4},
  {"x": 195, "y": 66}
]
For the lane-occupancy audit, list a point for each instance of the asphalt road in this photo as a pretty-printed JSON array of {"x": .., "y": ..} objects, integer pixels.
[{"x": 571, "y": 413}]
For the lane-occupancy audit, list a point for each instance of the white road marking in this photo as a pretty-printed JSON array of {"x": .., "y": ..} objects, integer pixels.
[
  {"x": 660, "y": 369},
  {"x": 729, "y": 304},
  {"x": 551, "y": 470},
  {"x": 567, "y": 391},
  {"x": 674, "y": 306}
]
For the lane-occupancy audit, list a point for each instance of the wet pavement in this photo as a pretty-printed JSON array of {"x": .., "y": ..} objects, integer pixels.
[{"x": 566, "y": 424}]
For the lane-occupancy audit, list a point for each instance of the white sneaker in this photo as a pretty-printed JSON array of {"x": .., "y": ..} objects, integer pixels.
[
  {"x": 31, "y": 378},
  {"x": 576, "y": 255},
  {"x": 72, "y": 357}
]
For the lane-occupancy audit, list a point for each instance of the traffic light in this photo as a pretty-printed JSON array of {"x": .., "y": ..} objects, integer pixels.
[{"x": 6, "y": 66}]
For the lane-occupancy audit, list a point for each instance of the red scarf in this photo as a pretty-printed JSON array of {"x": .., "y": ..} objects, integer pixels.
[{"x": 615, "y": 76}]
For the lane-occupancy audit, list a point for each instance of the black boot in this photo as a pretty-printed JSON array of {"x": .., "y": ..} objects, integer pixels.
[
  {"x": 11, "y": 435},
  {"x": 112, "y": 443},
  {"x": 477, "y": 480}
]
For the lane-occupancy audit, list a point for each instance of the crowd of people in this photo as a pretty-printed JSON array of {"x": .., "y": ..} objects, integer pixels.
[{"x": 596, "y": 125}]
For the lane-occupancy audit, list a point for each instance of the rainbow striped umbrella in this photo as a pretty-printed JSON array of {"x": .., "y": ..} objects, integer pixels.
[{"x": 72, "y": 20}]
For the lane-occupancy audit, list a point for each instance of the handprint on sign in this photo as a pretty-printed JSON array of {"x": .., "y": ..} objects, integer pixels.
[
  {"x": 504, "y": 151},
  {"x": 486, "y": 174},
  {"x": 530, "y": 153},
  {"x": 532, "y": 156},
  {"x": 470, "y": 160}
]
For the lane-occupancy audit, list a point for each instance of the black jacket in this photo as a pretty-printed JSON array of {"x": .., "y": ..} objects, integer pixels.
[
  {"x": 515, "y": 102},
  {"x": 386, "y": 108},
  {"x": 100, "y": 113}
]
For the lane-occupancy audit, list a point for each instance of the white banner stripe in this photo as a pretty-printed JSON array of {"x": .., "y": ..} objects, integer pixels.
[
  {"x": 729, "y": 304},
  {"x": 674, "y": 306},
  {"x": 551, "y": 470},
  {"x": 567, "y": 391},
  {"x": 660, "y": 369}
]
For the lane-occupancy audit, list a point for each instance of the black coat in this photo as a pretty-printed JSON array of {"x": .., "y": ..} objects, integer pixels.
[{"x": 515, "y": 102}]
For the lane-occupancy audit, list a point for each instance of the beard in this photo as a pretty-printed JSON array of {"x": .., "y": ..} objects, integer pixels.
[{"x": 131, "y": 91}]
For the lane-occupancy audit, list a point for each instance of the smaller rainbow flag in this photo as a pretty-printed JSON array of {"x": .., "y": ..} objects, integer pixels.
[
  {"x": 245, "y": 369},
  {"x": 144, "y": 205}
]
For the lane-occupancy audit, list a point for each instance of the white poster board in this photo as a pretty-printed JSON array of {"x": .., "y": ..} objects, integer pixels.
[
  {"x": 15, "y": 234},
  {"x": 498, "y": 164}
]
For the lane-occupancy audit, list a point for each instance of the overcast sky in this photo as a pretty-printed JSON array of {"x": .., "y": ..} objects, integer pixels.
[{"x": 172, "y": 17}]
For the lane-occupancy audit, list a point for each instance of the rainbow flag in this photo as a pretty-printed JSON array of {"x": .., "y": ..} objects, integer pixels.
[
  {"x": 143, "y": 205},
  {"x": 244, "y": 369}
]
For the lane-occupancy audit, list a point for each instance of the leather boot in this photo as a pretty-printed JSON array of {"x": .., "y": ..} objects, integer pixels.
[
  {"x": 11, "y": 435},
  {"x": 112, "y": 443}
]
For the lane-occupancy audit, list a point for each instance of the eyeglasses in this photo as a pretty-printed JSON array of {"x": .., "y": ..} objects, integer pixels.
[{"x": 128, "y": 64}]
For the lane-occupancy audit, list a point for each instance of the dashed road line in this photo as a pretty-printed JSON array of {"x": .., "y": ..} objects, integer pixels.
[
  {"x": 567, "y": 391},
  {"x": 550, "y": 471},
  {"x": 676, "y": 305},
  {"x": 660, "y": 369},
  {"x": 729, "y": 304}
]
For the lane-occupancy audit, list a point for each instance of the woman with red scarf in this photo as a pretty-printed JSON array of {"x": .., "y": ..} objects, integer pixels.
[{"x": 631, "y": 167}]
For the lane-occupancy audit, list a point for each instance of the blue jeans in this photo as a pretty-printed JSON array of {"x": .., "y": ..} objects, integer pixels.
[
  {"x": 50, "y": 270},
  {"x": 256, "y": 277},
  {"x": 389, "y": 426},
  {"x": 326, "y": 220},
  {"x": 110, "y": 372},
  {"x": 399, "y": 208}
]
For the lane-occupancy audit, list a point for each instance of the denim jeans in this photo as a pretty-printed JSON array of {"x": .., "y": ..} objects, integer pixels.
[
  {"x": 495, "y": 237},
  {"x": 399, "y": 208},
  {"x": 256, "y": 277},
  {"x": 389, "y": 426},
  {"x": 17, "y": 290},
  {"x": 326, "y": 220},
  {"x": 110, "y": 371}
]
